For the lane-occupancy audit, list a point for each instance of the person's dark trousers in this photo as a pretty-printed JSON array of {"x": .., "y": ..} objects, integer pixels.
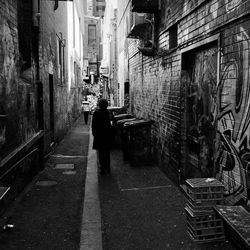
[
  {"x": 86, "y": 116},
  {"x": 104, "y": 160}
]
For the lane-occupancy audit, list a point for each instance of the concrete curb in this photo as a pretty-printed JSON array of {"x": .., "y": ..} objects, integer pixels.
[{"x": 91, "y": 233}]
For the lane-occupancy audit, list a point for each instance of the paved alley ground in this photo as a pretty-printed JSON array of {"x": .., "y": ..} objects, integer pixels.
[
  {"x": 142, "y": 209},
  {"x": 47, "y": 216}
]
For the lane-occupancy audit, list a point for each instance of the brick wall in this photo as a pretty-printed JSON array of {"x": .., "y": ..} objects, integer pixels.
[{"x": 198, "y": 93}]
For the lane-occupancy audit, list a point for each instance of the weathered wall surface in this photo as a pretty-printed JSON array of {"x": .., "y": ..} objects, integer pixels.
[
  {"x": 48, "y": 98},
  {"x": 61, "y": 72},
  {"x": 122, "y": 48},
  {"x": 18, "y": 120},
  {"x": 40, "y": 83},
  {"x": 47, "y": 64},
  {"x": 198, "y": 93}
]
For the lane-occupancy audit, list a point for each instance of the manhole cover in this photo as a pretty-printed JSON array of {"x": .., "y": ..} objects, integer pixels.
[
  {"x": 69, "y": 172},
  {"x": 46, "y": 183},
  {"x": 64, "y": 166}
]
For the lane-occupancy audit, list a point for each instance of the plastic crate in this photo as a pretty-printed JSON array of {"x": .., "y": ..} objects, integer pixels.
[
  {"x": 204, "y": 205},
  {"x": 204, "y": 186},
  {"x": 204, "y": 227},
  {"x": 200, "y": 220},
  {"x": 205, "y": 192},
  {"x": 206, "y": 238}
]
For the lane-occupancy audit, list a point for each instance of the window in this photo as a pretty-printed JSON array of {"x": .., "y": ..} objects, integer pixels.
[
  {"x": 61, "y": 59},
  {"x": 173, "y": 31},
  {"x": 25, "y": 33},
  {"x": 100, "y": 8},
  {"x": 91, "y": 34}
]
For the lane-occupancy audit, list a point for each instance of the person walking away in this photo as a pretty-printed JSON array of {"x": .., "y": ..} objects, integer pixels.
[
  {"x": 86, "y": 110},
  {"x": 101, "y": 130}
]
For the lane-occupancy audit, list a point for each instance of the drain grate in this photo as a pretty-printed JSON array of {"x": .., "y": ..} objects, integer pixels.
[{"x": 65, "y": 166}]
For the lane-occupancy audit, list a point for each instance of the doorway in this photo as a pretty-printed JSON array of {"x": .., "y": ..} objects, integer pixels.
[
  {"x": 200, "y": 68},
  {"x": 40, "y": 105}
]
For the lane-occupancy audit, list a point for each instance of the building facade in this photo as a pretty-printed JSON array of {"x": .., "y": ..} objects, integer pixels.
[
  {"x": 41, "y": 72},
  {"x": 188, "y": 71},
  {"x": 109, "y": 64},
  {"x": 123, "y": 17},
  {"x": 99, "y": 8}
]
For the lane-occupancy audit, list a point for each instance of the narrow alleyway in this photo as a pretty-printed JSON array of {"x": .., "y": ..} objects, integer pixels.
[
  {"x": 140, "y": 207},
  {"x": 178, "y": 70},
  {"x": 47, "y": 216}
]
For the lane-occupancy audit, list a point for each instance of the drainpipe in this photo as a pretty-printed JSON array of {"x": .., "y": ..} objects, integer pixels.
[{"x": 36, "y": 31}]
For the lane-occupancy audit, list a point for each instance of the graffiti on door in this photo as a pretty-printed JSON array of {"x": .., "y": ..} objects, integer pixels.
[
  {"x": 200, "y": 110},
  {"x": 233, "y": 158}
]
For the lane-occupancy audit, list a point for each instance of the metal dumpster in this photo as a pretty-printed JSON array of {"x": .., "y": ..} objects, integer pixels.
[{"x": 138, "y": 133}]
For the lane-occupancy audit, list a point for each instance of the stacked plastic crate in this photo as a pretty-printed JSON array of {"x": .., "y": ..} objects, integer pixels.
[{"x": 203, "y": 224}]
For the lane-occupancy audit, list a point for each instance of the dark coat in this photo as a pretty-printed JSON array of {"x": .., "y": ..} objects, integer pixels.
[{"x": 101, "y": 129}]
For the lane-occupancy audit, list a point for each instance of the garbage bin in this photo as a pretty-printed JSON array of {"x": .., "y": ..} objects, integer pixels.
[
  {"x": 123, "y": 136},
  {"x": 117, "y": 129},
  {"x": 138, "y": 133},
  {"x": 116, "y": 110},
  {"x": 121, "y": 117}
]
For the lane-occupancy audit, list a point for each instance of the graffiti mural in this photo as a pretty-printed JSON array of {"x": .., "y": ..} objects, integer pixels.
[
  {"x": 233, "y": 158},
  {"x": 200, "y": 110}
]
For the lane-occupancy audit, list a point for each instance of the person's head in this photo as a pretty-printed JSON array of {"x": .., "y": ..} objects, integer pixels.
[{"x": 103, "y": 104}]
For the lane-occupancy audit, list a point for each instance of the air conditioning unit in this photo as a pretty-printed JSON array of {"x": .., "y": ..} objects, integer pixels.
[
  {"x": 147, "y": 44},
  {"x": 138, "y": 25}
]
